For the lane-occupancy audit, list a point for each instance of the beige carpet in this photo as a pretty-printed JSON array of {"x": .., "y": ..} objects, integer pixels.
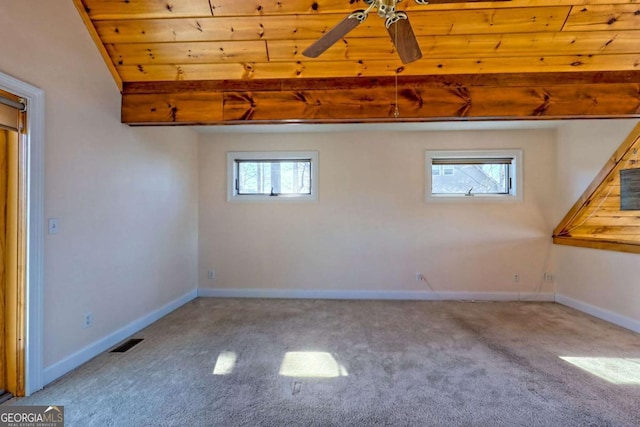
[{"x": 228, "y": 362}]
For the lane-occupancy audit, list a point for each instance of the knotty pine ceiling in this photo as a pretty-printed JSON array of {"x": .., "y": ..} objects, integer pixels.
[{"x": 240, "y": 61}]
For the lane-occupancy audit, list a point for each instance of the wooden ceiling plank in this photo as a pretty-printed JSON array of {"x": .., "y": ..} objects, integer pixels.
[
  {"x": 288, "y": 27},
  {"x": 185, "y": 30},
  {"x": 610, "y": 220},
  {"x": 311, "y": 27},
  {"x": 137, "y": 9},
  {"x": 623, "y": 238},
  {"x": 187, "y": 53},
  {"x": 604, "y": 18},
  {"x": 498, "y": 21},
  {"x": 491, "y": 45},
  {"x": 279, "y": 7},
  {"x": 269, "y": 7},
  {"x": 195, "y": 72},
  {"x": 337, "y": 69},
  {"x": 633, "y": 230}
]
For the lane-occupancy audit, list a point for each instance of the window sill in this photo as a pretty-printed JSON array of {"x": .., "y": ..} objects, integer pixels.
[{"x": 477, "y": 198}]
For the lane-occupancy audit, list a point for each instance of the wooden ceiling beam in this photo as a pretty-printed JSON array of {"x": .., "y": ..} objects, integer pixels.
[
  {"x": 425, "y": 99},
  {"x": 507, "y": 80}
]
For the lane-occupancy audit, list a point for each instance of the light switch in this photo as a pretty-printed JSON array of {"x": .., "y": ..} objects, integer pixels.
[{"x": 53, "y": 225}]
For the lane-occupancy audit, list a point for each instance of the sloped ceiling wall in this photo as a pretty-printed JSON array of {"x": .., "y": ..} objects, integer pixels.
[{"x": 597, "y": 220}]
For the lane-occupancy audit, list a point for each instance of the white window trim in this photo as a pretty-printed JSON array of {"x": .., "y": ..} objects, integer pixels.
[
  {"x": 517, "y": 191},
  {"x": 232, "y": 156}
]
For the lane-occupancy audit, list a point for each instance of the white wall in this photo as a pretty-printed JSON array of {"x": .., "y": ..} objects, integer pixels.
[
  {"x": 607, "y": 282},
  {"x": 371, "y": 229},
  {"x": 126, "y": 197},
  {"x": 127, "y": 200}
]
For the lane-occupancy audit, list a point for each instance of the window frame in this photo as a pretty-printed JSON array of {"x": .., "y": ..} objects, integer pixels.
[
  {"x": 516, "y": 174},
  {"x": 232, "y": 172}
]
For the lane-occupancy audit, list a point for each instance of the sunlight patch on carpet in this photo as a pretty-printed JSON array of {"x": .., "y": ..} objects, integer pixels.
[
  {"x": 311, "y": 364},
  {"x": 616, "y": 370},
  {"x": 226, "y": 363}
]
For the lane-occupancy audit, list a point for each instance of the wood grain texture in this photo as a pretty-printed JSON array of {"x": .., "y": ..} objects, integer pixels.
[
  {"x": 595, "y": 243},
  {"x": 604, "y": 17},
  {"x": 15, "y": 263},
  {"x": 191, "y": 53},
  {"x": 136, "y": 9},
  {"x": 3, "y": 252},
  {"x": 597, "y": 215},
  {"x": 313, "y": 69},
  {"x": 120, "y": 9},
  {"x": 346, "y": 83},
  {"x": 425, "y": 101},
  {"x": 240, "y": 41},
  {"x": 19, "y": 348},
  {"x": 296, "y": 27},
  {"x": 471, "y": 46},
  {"x": 596, "y": 190},
  {"x": 175, "y": 108},
  {"x": 239, "y": 7}
]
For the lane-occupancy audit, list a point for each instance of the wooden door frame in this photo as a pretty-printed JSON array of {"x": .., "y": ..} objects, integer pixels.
[{"x": 34, "y": 328}]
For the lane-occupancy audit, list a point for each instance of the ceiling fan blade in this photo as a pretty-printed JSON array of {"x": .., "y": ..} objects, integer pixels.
[
  {"x": 335, "y": 34},
  {"x": 405, "y": 41}
]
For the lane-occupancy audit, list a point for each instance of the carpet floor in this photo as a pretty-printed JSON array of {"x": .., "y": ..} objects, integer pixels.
[{"x": 232, "y": 362}]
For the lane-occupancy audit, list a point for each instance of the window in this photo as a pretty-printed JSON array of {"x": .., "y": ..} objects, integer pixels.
[
  {"x": 487, "y": 174},
  {"x": 272, "y": 175}
]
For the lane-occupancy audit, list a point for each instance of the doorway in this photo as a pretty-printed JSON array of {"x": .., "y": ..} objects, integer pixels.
[
  {"x": 31, "y": 141},
  {"x": 12, "y": 245}
]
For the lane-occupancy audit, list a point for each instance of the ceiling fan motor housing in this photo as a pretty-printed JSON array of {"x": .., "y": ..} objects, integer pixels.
[{"x": 386, "y": 8}]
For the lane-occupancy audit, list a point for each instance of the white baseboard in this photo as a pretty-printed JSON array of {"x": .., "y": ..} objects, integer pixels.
[
  {"x": 374, "y": 295},
  {"x": 601, "y": 313},
  {"x": 76, "y": 359}
]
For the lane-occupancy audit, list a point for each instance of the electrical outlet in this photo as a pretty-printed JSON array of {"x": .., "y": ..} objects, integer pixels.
[
  {"x": 516, "y": 278},
  {"x": 88, "y": 320},
  {"x": 419, "y": 277},
  {"x": 548, "y": 277},
  {"x": 211, "y": 274}
]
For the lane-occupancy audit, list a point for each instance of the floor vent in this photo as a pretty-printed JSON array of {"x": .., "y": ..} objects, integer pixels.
[
  {"x": 127, "y": 345},
  {"x": 4, "y": 396}
]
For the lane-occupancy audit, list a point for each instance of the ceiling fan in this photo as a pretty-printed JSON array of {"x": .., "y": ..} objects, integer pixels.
[{"x": 397, "y": 24}]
